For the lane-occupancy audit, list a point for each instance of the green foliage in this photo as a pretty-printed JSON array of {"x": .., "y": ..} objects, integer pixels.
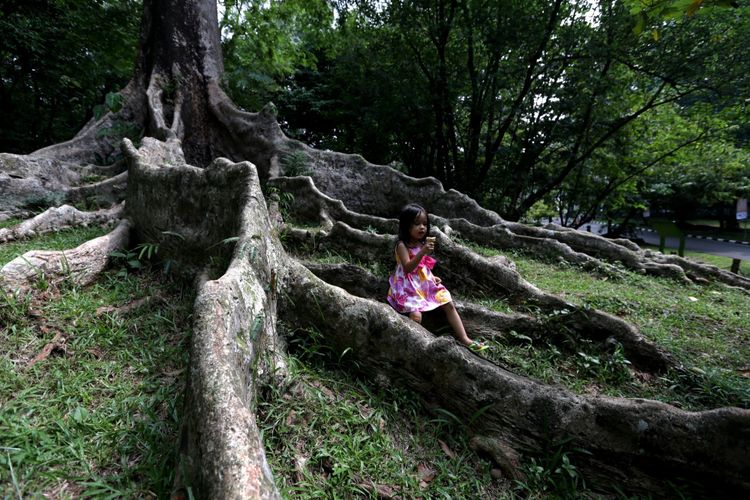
[
  {"x": 648, "y": 11},
  {"x": 134, "y": 259},
  {"x": 538, "y": 211},
  {"x": 54, "y": 68},
  {"x": 553, "y": 474},
  {"x": 113, "y": 102},
  {"x": 266, "y": 42},
  {"x": 466, "y": 96},
  {"x": 295, "y": 163}
]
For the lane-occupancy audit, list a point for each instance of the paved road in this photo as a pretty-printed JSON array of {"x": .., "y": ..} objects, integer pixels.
[{"x": 723, "y": 248}]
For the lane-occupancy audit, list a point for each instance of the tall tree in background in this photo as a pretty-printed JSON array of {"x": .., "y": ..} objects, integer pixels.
[
  {"x": 193, "y": 184},
  {"x": 510, "y": 101}
]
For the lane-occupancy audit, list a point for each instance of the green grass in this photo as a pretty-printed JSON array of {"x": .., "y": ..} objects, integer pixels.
[
  {"x": 332, "y": 435},
  {"x": 706, "y": 327},
  {"x": 98, "y": 418},
  {"x": 336, "y": 437},
  {"x": 9, "y": 222},
  {"x": 61, "y": 240}
]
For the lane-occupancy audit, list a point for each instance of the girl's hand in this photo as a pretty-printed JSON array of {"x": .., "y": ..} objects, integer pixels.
[
  {"x": 437, "y": 280},
  {"x": 428, "y": 248}
]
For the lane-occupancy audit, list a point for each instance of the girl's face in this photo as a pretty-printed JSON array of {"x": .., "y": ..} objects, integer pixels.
[{"x": 419, "y": 227}]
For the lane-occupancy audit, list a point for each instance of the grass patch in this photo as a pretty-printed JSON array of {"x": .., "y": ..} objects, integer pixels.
[
  {"x": 61, "y": 240},
  {"x": 375, "y": 267},
  {"x": 706, "y": 327},
  {"x": 332, "y": 435},
  {"x": 99, "y": 416},
  {"x": 9, "y": 222}
]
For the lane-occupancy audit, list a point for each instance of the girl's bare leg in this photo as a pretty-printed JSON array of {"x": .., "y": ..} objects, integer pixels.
[
  {"x": 416, "y": 316},
  {"x": 455, "y": 321}
]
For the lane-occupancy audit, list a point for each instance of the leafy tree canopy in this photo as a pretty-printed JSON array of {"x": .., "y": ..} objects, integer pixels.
[{"x": 58, "y": 59}]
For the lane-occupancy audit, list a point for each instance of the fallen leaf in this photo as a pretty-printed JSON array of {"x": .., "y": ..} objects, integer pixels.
[
  {"x": 57, "y": 345},
  {"x": 425, "y": 473},
  {"x": 744, "y": 372},
  {"x": 446, "y": 449},
  {"x": 96, "y": 352},
  {"x": 291, "y": 419},
  {"x": 382, "y": 490},
  {"x": 692, "y": 299}
]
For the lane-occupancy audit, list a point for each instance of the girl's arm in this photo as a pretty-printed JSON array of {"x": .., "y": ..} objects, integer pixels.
[{"x": 403, "y": 255}]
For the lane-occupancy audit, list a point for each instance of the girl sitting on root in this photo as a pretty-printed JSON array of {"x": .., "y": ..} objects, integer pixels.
[{"x": 414, "y": 289}]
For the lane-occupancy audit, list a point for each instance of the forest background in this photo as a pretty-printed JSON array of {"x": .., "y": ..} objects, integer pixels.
[{"x": 569, "y": 109}]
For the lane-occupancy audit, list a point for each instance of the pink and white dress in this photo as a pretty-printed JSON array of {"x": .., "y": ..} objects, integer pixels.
[{"x": 417, "y": 290}]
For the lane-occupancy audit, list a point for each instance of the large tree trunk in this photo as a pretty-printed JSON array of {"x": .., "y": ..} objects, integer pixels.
[{"x": 195, "y": 181}]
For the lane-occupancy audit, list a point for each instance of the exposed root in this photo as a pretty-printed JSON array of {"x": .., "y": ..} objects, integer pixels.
[
  {"x": 27, "y": 183},
  {"x": 352, "y": 278},
  {"x": 502, "y": 454},
  {"x": 311, "y": 205},
  {"x": 104, "y": 171},
  {"x": 93, "y": 143},
  {"x": 81, "y": 264},
  {"x": 632, "y": 443},
  {"x": 130, "y": 306},
  {"x": 57, "y": 344},
  {"x": 256, "y": 137},
  {"x": 221, "y": 453},
  {"x": 479, "y": 321},
  {"x": 55, "y": 219},
  {"x": 342, "y": 183},
  {"x": 702, "y": 273},
  {"x": 499, "y": 236},
  {"x": 105, "y": 192}
]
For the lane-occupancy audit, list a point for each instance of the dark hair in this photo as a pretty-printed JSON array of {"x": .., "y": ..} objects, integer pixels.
[{"x": 406, "y": 218}]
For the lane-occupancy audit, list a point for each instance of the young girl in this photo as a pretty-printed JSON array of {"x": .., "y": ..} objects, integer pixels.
[{"x": 414, "y": 289}]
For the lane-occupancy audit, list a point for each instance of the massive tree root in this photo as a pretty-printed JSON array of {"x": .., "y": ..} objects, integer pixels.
[
  {"x": 235, "y": 342},
  {"x": 631, "y": 442},
  {"x": 58, "y": 218},
  {"x": 635, "y": 441},
  {"x": 82, "y": 264},
  {"x": 208, "y": 215}
]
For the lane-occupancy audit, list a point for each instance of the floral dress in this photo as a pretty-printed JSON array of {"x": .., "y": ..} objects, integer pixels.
[{"x": 417, "y": 290}]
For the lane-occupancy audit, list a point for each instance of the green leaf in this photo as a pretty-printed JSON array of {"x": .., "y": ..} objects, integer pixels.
[{"x": 114, "y": 101}]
